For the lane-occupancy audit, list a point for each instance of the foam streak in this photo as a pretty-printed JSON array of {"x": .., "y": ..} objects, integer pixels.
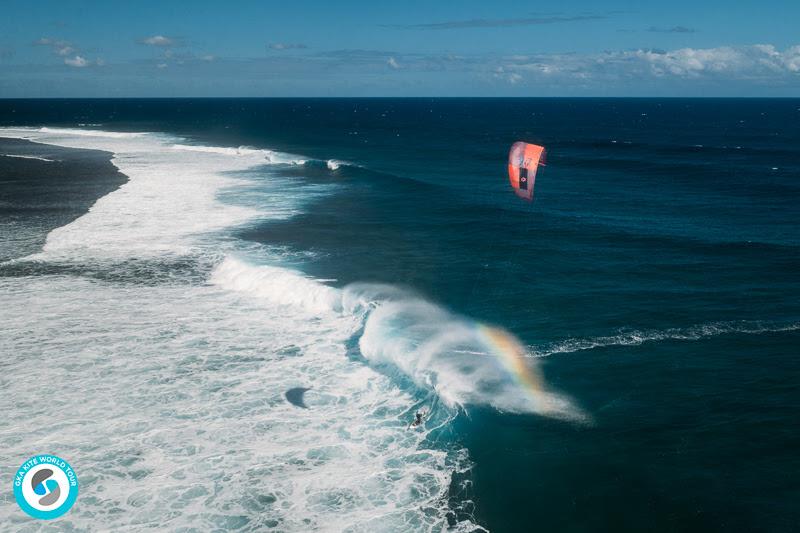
[{"x": 639, "y": 337}]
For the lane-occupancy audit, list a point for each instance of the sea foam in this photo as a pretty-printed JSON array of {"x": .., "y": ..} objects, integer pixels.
[{"x": 175, "y": 390}]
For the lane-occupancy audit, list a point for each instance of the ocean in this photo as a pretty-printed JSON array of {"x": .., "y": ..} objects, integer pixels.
[{"x": 621, "y": 354}]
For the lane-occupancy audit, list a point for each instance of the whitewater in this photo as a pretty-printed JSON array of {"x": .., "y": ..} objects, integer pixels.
[{"x": 164, "y": 386}]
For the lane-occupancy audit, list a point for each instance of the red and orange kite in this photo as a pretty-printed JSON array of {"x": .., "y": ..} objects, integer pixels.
[{"x": 523, "y": 161}]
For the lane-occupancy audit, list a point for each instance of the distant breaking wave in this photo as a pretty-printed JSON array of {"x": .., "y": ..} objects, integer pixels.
[
  {"x": 269, "y": 156},
  {"x": 241, "y": 150},
  {"x": 334, "y": 164},
  {"x": 639, "y": 337},
  {"x": 91, "y": 133}
]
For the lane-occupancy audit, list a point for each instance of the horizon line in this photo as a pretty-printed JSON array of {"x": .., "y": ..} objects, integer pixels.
[{"x": 701, "y": 97}]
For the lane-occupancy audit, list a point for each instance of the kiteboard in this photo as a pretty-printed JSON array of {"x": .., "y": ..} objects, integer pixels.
[{"x": 419, "y": 418}]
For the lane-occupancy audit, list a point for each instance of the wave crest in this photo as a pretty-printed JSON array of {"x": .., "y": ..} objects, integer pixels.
[
  {"x": 457, "y": 358},
  {"x": 270, "y": 156},
  {"x": 92, "y": 133},
  {"x": 223, "y": 150},
  {"x": 278, "y": 285}
]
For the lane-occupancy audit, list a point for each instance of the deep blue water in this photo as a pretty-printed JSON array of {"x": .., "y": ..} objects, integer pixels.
[{"x": 658, "y": 270}]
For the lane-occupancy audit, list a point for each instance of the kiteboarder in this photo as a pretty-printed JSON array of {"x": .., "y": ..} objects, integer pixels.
[{"x": 419, "y": 418}]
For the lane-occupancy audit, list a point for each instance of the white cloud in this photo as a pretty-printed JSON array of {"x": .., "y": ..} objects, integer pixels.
[
  {"x": 76, "y": 61},
  {"x": 287, "y": 46},
  {"x": 756, "y": 61},
  {"x": 752, "y": 62},
  {"x": 691, "y": 62},
  {"x": 64, "y": 50},
  {"x": 673, "y": 29},
  {"x": 68, "y": 51},
  {"x": 158, "y": 40},
  {"x": 57, "y": 46}
]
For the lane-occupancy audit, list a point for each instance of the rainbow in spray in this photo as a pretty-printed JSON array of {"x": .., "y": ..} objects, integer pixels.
[{"x": 512, "y": 357}]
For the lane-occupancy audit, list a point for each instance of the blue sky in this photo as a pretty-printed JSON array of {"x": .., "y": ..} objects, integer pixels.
[{"x": 410, "y": 48}]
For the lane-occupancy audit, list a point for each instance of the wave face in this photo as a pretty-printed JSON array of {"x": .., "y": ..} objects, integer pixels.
[{"x": 175, "y": 388}]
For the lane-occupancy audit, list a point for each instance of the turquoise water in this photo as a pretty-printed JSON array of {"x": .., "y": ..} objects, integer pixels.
[{"x": 653, "y": 281}]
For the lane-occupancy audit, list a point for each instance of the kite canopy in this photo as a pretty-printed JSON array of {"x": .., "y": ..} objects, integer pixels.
[{"x": 523, "y": 160}]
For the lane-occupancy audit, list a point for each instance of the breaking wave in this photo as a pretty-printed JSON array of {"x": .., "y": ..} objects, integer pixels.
[
  {"x": 268, "y": 156},
  {"x": 242, "y": 150},
  {"x": 439, "y": 351},
  {"x": 464, "y": 362},
  {"x": 91, "y": 133},
  {"x": 278, "y": 285},
  {"x": 334, "y": 164}
]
